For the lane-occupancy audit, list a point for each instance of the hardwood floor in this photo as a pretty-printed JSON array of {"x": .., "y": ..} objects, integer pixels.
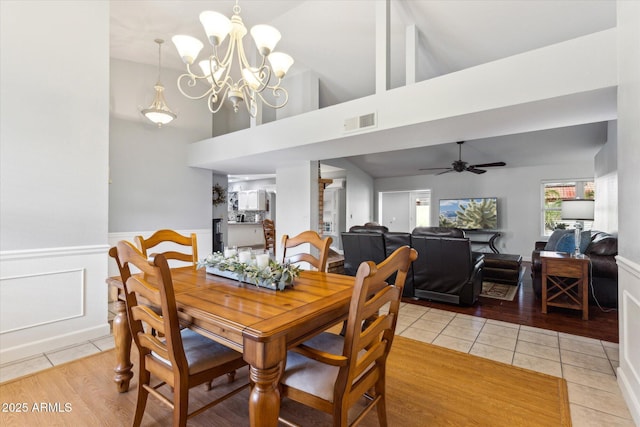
[{"x": 526, "y": 309}]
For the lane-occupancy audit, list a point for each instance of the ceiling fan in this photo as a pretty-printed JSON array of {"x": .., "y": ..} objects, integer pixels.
[{"x": 460, "y": 166}]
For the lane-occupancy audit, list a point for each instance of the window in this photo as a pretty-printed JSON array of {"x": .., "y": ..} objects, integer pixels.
[{"x": 553, "y": 194}]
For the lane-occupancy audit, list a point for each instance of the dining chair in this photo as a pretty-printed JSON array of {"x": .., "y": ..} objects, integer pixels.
[
  {"x": 269, "y": 229},
  {"x": 315, "y": 240},
  {"x": 331, "y": 372},
  {"x": 170, "y": 236},
  {"x": 181, "y": 359}
]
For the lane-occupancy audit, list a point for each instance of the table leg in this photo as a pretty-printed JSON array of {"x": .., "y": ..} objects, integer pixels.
[
  {"x": 544, "y": 293},
  {"x": 264, "y": 401},
  {"x": 122, "y": 338}
]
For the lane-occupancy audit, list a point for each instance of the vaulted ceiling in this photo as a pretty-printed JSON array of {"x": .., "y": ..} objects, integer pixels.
[{"x": 336, "y": 39}]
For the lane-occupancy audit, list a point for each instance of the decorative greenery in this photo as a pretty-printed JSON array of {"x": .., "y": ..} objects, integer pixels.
[
  {"x": 274, "y": 276},
  {"x": 219, "y": 195}
]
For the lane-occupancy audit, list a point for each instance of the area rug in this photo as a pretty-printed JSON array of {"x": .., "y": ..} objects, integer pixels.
[
  {"x": 426, "y": 385},
  {"x": 499, "y": 291}
]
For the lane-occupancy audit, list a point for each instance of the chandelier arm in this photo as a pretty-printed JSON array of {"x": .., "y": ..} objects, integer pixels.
[
  {"x": 277, "y": 91},
  {"x": 214, "y": 98},
  {"x": 191, "y": 83}
]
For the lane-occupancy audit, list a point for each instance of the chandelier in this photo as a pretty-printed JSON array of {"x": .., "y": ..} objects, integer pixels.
[
  {"x": 158, "y": 112},
  {"x": 250, "y": 82}
]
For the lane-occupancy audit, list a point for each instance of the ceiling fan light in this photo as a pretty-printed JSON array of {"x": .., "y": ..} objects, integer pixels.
[
  {"x": 216, "y": 25},
  {"x": 266, "y": 38},
  {"x": 188, "y": 47},
  {"x": 280, "y": 63}
]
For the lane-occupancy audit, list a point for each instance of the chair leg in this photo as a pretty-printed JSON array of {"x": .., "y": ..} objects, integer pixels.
[
  {"x": 231, "y": 377},
  {"x": 141, "y": 402},
  {"x": 381, "y": 406},
  {"x": 180, "y": 406}
]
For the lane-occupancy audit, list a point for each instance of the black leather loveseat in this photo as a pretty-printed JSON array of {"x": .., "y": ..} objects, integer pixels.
[
  {"x": 601, "y": 249},
  {"x": 446, "y": 269}
]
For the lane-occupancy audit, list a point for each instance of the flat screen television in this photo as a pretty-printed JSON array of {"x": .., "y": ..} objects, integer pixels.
[{"x": 470, "y": 214}]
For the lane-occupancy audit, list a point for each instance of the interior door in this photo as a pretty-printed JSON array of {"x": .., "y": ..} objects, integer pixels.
[{"x": 395, "y": 211}]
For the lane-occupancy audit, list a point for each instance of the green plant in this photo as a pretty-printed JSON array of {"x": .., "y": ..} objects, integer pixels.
[{"x": 280, "y": 275}]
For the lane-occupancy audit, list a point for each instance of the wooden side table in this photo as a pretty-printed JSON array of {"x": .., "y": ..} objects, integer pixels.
[{"x": 565, "y": 281}]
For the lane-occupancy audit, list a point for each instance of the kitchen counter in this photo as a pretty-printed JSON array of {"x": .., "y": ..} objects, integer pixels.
[{"x": 245, "y": 234}]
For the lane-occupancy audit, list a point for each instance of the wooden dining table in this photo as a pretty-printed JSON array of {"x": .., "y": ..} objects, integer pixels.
[{"x": 259, "y": 322}]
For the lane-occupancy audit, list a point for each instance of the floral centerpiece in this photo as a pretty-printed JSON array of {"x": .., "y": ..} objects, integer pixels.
[{"x": 271, "y": 274}]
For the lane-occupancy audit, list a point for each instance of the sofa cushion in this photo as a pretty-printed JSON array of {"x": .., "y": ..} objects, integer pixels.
[
  {"x": 602, "y": 244},
  {"x": 438, "y": 232}
]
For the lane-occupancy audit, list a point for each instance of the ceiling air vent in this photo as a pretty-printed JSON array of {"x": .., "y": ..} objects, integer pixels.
[{"x": 360, "y": 122}]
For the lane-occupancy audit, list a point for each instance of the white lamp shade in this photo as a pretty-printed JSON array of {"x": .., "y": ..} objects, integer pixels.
[
  {"x": 188, "y": 47},
  {"x": 579, "y": 209},
  {"x": 266, "y": 38},
  {"x": 159, "y": 117},
  {"x": 250, "y": 78},
  {"x": 216, "y": 25},
  {"x": 206, "y": 70},
  {"x": 280, "y": 63}
]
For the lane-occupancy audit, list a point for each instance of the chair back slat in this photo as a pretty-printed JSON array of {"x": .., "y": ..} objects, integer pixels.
[
  {"x": 315, "y": 240},
  {"x": 170, "y": 237},
  {"x": 269, "y": 230}
]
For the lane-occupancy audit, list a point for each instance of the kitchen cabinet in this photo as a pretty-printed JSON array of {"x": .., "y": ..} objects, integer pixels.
[{"x": 252, "y": 200}]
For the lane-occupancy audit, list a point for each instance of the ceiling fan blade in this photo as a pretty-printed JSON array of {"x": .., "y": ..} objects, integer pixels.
[
  {"x": 431, "y": 169},
  {"x": 447, "y": 171},
  {"x": 488, "y": 165},
  {"x": 474, "y": 170}
]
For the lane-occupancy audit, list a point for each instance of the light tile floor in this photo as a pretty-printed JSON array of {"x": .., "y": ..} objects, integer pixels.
[{"x": 587, "y": 364}]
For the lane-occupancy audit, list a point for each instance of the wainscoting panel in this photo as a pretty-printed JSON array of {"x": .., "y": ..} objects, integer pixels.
[
  {"x": 629, "y": 303},
  {"x": 51, "y": 298},
  {"x": 66, "y": 288}
]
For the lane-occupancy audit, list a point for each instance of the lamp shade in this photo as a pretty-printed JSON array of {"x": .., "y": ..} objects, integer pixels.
[
  {"x": 266, "y": 37},
  {"x": 280, "y": 63},
  {"x": 578, "y": 209},
  {"x": 188, "y": 48},
  {"x": 216, "y": 25}
]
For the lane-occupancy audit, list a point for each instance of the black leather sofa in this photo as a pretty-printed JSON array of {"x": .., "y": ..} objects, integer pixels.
[
  {"x": 446, "y": 269},
  {"x": 601, "y": 250}
]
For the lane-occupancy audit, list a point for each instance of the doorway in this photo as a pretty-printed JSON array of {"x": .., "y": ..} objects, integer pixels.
[{"x": 404, "y": 210}]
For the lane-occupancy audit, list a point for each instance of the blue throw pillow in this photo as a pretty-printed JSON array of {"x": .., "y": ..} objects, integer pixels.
[
  {"x": 552, "y": 243},
  {"x": 585, "y": 239},
  {"x": 567, "y": 243}
]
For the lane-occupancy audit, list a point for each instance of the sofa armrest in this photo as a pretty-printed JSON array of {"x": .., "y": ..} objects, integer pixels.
[{"x": 539, "y": 246}]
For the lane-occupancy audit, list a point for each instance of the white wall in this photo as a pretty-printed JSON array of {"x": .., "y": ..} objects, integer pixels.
[
  {"x": 297, "y": 201},
  {"x": 53, "y": 174},
  {"x": 629, "y": 196},
  {"x": 517, "y": 189},
  {"x": 151, "y": 187}
]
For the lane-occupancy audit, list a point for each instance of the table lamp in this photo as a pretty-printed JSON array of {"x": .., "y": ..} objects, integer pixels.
[{"x": 580, "y": 210}]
